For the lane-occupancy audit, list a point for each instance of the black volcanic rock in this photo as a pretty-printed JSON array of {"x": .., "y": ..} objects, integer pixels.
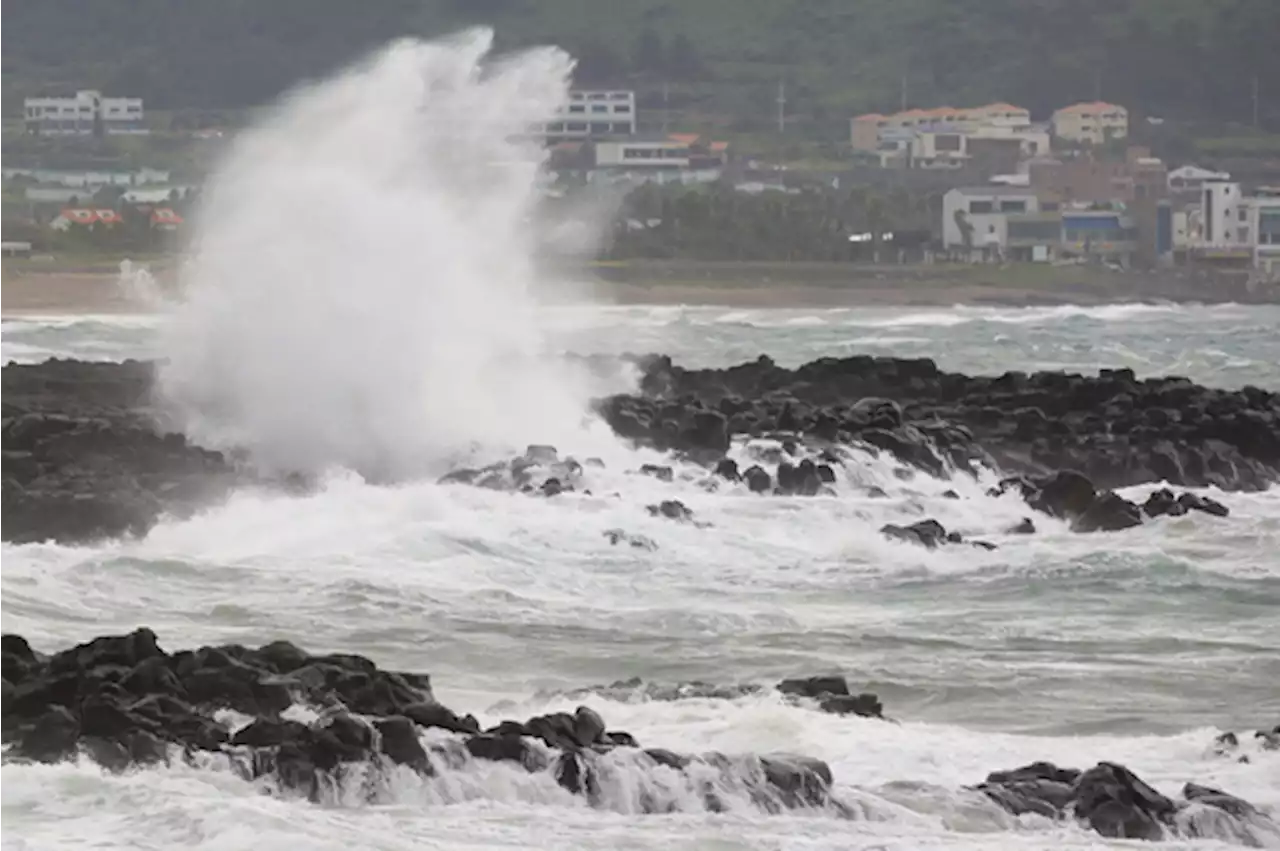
[
  {"x": 1113, "y": 428},
  {"x": 72, "y": 703},
  {"x": 1118, "y": 804},
  {"x": 84, "y": 457}
]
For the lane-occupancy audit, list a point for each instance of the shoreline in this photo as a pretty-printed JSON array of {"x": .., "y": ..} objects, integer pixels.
[{"x": 77, "y": 290}]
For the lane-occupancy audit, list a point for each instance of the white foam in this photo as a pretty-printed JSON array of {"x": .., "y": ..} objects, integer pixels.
[{"x": 363, "y": 293}]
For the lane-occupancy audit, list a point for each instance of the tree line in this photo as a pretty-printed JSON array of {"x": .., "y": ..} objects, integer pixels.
[
  {"x": 718, "y": 222},
  {"x": 1188, "y": 59}
]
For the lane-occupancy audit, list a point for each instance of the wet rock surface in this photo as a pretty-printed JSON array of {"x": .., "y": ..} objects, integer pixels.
[
  {"x": 124, "y": 701},
  {"x": 1114, "y": 428},
  {"x": 324, "y": 725},
  {"x": 86, "y": 456},
  {"x": 85, "y": 459},
  {"x": 1115, "y": 802}
]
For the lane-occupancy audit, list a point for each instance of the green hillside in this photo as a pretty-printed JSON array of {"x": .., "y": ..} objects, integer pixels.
[{"x": 721, "y": 60}]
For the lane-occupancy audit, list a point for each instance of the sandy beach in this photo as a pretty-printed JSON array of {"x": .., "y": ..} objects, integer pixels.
[{"x": 66, "y": 290}]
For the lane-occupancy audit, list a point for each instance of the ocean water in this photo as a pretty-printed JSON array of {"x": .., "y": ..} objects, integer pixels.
[
  {"x": 363, "y": 294},
  {"x": 1137, "y": 647}
]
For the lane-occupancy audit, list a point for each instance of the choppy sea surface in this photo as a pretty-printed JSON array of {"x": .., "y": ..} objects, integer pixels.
[{"x": 1136, "y": 647}]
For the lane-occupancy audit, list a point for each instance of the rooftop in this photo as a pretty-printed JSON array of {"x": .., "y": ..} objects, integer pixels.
[
  {"x": 995, "y": 191},
  {"x": 1092, "y": 106}
]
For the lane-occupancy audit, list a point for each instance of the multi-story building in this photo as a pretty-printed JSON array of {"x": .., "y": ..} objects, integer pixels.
[
  {"x": 593, "y": 114},
  {"x": 939, "y": 138},
  {"x": 1265, "y": 221},
  {"x": 84, "y": 114},
  {"x": 1093, "y": 123},
  {"x": 1227, "y": 226}
]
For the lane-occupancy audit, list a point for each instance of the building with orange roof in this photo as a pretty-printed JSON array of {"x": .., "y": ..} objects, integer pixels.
[
  {"x": 930, "y": 135},
  {"x": 1091, "y": 123}
]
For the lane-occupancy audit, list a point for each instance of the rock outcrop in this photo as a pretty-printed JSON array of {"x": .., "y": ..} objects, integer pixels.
[
  {"x": 87, "y": 457},
  {"x": 1114, "y": 428},
  {"x": 315, "y": 724},
  {"x": 1117, "y": 803},
  {"x": 123, "y": 701},
  {"x": 84, "y": 458}
]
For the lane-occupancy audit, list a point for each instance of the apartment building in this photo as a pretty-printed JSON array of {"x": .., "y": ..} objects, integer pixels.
[
  {"x": 592, "y": 114},
  {"x": 83, "y": 114},
  {"x": 1093, "y": 123}
]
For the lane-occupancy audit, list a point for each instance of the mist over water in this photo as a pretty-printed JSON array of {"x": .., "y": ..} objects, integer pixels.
[{"x": 364, "y": 294}]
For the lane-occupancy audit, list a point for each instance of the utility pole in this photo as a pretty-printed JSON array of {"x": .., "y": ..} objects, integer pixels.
[
  {"x": 666, "y": 106},
  {"x": 782, "y": 107},
  {"x": 903, "y": 105},
  {"x": 1097, "y": 84}
]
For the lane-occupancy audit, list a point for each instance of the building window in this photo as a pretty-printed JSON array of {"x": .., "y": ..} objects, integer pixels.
[
  {"x": 577, "y": 108},
  {"x": 1244, "y": 214},
  {"x": 982, "y": 207},
  {"x": 576, "y": 127},
  {"x": 622, "y": 108},
  {"x": 1243, "y": 235},
  {"x": 599, "y": 108},
  {"x": 1013, "y": 206}
]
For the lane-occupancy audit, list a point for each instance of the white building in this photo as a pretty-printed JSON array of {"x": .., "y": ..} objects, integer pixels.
[
  {"x": 1224, "y": 216},
  {"x": 1264, "y": 219},
  {"x": 984, "y": 212},
  {"x": 1228, "y": 224},
  {"x": 593, "y": 113},
  {"x": 79, "y": 115},
  {"x": 1093, "y": 123},
  {"x": 641, "y": 153}
]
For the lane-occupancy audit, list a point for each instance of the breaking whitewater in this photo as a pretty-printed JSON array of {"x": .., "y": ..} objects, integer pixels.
[{"x": 648, "y": 654}]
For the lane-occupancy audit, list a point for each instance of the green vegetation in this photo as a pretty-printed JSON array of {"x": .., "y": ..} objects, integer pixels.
[
  {"x": 719, "y": 223},
  {"x": 721, "y": 60}
]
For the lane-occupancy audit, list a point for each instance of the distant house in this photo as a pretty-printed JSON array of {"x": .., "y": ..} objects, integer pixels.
[
  {"x": 591, "y": 114},
  {"x": 941, "y": 138},
  {"x": 84, "y": 113},
  {"x": 655, "y": 152},
  {"x": 1092, "y": 123},
  {"x": 86, "y": 217},
  {"x": 977, "y": 217}
]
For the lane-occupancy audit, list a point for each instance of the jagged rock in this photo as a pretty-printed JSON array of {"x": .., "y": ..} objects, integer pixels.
[
  {"x": 815, "y": 687},
  {"x": 660, "y": 472},
  {"x": 72, "y": 703},
  {"x": 1158, "y": 428},
  {"x": 929, "y": 534},
  {"x": 1109, "y": 512},
  {"x": 1023, "y": 527},
  {"x": 758, "y": 479},
  {"x": 727, "y": 468},
  {"x": 639, "y": 542},
  {"x": 672, "y": 509},
  {"x": 1118, "y": 804}
]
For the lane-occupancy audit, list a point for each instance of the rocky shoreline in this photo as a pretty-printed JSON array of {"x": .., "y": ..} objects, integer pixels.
[
  {"x": 329, "y": 726},
  {"x": 86, "y": 456}
]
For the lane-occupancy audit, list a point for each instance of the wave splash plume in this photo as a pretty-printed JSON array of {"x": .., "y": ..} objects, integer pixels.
[{"x": 363, "y": 294}]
